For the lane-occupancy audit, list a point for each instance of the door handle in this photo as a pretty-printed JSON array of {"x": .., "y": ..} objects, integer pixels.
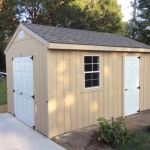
[
  {"x": 126, "y": 89},
  {"x": 20, "y": 93}
]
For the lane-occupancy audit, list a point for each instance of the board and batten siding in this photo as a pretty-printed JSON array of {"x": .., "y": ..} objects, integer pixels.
[
  {"x": 70, "y": 107},
  {"x": 28, "y": 46}
]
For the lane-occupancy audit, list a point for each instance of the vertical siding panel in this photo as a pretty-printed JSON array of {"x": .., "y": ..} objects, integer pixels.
[
  {"x": 148, "y": 81},
  {"x": 79, "y": 95},
  {"x": 11, "y": 80},
  {"x": 96, "y": 106},
  {"x": 35, "y": 48},
  {"x": 85, "y": 109},
  {"x": 39, "y": 94},
  {"x": 110, "y": 90},
  {"x": 44, "y": 90},
  {"x": 8, "y": 79},
  {"x": 147, "y": 92},
  {"x": 101, "y": 92},
  {"x": 106, "y": 85},
  {"x": 60, "y": 100},
  {"x": 90, "y": 108},
  {"x": 53, "y": 105},
  {"x": 41, "y": 86},
  {"x": 115, "y": 86},
  {"x": 120, "y": 101},
  {"x": 67, "y": 91},
  {"x": 146, "y": 104},
  {"x": 101, "y": 103},
  {"x": 73, "y": 60},
  {"x": 41, "y": 61},
  {"x": 145, "y": 80},
  {"x": 141, "y": 82}
]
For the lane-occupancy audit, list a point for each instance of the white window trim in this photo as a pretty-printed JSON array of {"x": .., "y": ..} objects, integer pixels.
[{"x": 95, "y": 87}]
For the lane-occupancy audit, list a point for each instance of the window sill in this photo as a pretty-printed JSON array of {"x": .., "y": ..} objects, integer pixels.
[{"x": 91, "y": 90}]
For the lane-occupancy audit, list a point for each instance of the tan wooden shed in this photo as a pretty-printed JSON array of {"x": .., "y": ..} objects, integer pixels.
[{"x": 60, "y": 79}]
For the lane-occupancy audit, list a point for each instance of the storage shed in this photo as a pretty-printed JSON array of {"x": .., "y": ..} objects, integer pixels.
[{"x": 61, "y": 79}]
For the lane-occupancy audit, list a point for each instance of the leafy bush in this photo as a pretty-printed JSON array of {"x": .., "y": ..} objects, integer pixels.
[{"x": 115, "y": 133}]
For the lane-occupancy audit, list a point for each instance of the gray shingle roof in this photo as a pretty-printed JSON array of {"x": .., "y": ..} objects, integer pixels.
[{"x": 83, "y": 37}]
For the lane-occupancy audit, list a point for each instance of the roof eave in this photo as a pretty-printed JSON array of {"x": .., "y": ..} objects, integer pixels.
[{"x": 95, "y": 48}]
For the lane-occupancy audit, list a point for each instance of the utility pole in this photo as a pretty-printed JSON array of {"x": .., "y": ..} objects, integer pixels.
[{"x": 134, "y": 18}]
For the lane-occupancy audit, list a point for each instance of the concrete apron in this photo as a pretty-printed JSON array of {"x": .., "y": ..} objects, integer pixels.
[{"x": 15, "y": 135}]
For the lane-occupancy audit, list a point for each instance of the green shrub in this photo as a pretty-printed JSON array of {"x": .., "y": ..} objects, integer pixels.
[{"x": 115, "y": 133}]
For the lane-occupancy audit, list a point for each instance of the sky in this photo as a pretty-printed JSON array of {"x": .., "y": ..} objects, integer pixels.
[{"x": 126, "y": 9}]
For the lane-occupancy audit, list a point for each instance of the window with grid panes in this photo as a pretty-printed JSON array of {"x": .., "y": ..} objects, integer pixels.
[{"x": 92, "y": 71}]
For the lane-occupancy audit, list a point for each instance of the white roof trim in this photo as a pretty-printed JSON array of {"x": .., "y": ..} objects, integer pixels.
[{"x": 95, "y": 48}]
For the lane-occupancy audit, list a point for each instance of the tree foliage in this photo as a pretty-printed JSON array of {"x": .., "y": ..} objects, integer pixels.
[
  {"x": 63, "y": 13},
  {"x": 8, "y": 24},
  {"x": 105, "y": 16},
  {"x": 143, "y": 21}
]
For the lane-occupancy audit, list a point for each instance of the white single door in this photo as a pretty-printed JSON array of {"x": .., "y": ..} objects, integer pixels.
[
  {"x": 131, "y": 85},
  {"x": 23, "y": 89}
]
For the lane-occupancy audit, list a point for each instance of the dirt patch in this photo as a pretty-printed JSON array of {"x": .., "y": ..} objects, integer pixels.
[
  {"x": 84, "y": 139},
  {"x": 137, "y": 121},
  {"x": 87, "y": 138},
  {"x": 3, "y": 109}
]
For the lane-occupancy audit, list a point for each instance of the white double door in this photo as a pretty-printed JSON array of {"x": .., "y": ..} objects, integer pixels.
[
  {"x": 131, "y": 85},
  {"x": 23, "y": 89}
]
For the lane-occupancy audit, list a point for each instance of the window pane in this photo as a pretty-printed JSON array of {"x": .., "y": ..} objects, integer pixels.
[
  {"x": 95, "y": 59},
  {"x": 88, "y": 76},
  {"x": 95, "y": 75},
  {"x": 95, "y": 82},
  {"x": 95, "y": 67},
  {"x": 88, "y": 59},
  {"x": 88, "y": 67},
  {"x": 88, "y": 83}
]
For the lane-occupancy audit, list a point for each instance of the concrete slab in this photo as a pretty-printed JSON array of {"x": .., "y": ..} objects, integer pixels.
[{"x": 15, "y": 135}]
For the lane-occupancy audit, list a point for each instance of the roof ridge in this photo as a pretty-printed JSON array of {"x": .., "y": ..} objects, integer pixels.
[{"x": 72, "y": 29}]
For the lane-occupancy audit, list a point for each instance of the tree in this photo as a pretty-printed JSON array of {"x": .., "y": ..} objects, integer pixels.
[
  {"x": 143, "y": 21},
  {"x": 105, "y": 16},
  {"x": 63, "y": 13},
  {"x": 8, "y": 23}
]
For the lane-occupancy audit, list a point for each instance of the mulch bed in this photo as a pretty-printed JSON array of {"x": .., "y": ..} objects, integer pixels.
[{"x": 87, "y": 138}]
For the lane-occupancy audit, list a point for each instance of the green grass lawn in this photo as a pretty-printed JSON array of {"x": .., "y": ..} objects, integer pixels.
[
  {"x": 3, "y": 92},
  {"x": 140, "y": 140}
]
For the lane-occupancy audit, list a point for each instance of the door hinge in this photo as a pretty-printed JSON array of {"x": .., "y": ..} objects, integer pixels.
[
  {"x": 138, "y": 110},
  {"x": 32, "y": 96},
  {"x": 12, "y": 59},
  {"x": 138, "y": 87},
  {"x": 31, "y": 57},
  {"x": 13, "y": 90},
  {"x": 14, "y": 115},
  {"x": 139, "y": 57},
  {"x": 33, "y": 127},
  {"x": 126, "y": 89}
]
